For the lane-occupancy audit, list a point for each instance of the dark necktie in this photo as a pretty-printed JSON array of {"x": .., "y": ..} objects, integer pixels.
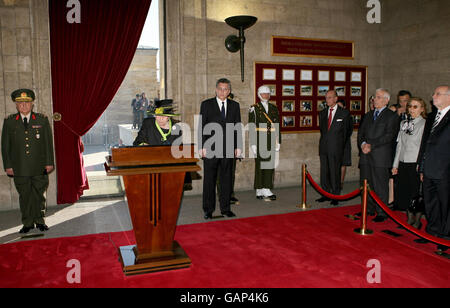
[
  {"x": 25, "y": 123},
  {"x": 376, "y": 114},
  {"x": 223, "y": 110},
  {"x": 330, "y": 118},
  {"x": 436, "y": 121}
]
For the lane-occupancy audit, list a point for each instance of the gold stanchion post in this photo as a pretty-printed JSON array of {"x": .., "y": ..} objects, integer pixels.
[
  {"x": 363, "y": 230},
  {"x": 304, "y": 206}
]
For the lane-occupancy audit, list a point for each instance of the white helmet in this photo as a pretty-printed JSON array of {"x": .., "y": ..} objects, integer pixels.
[{"x": 261, "y": 90}]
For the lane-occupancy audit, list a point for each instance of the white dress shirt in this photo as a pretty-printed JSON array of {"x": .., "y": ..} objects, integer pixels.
[
  {"x": 28, "y": 117},
  {"x": 219, "y": 102}
]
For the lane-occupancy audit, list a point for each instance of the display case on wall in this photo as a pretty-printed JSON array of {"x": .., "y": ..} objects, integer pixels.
[{"x": 298, "y": 90}]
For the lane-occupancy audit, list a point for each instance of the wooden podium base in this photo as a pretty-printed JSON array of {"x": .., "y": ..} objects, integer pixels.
[{"x": 131, "y": 266}]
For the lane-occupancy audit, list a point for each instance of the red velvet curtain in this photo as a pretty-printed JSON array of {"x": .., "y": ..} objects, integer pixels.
[{"x": 89, "y": 62}]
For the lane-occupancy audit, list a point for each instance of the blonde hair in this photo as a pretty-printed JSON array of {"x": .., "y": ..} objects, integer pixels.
[{"x": 421, "y": 102}]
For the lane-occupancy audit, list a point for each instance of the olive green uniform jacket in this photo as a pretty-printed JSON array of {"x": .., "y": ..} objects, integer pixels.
[
  {"x": 269, "y": 132},
  {"x": 27, "y": 152}
]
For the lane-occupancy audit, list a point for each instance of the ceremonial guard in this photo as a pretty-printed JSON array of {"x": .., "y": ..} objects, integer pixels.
[
  {"x": 27, "y": 151},
  {"x": 265, "y": 140}
]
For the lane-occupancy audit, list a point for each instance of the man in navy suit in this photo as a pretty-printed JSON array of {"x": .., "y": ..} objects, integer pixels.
[
  {"x": 336, "y": 127},
  {"x": 434, "y": 166},
  {"x": 220, "y": 143},
  {"x": 376, "y": 136}
]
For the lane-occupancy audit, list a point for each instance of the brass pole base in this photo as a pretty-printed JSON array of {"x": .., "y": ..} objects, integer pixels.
[
  {"x": 304, "y": 206},
  {"x": 363, "y": 232}
]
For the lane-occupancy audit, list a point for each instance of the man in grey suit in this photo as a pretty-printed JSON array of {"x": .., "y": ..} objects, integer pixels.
[
  {"x": 375, "y": 139},
  {"x": 336, "y": 127},
  {"x": 434, "y": 166}
]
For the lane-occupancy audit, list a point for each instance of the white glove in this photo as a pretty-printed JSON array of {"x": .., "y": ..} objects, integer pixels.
[
  {"x": 254, "y": 149},
  {"x": 277, "y": 147}
]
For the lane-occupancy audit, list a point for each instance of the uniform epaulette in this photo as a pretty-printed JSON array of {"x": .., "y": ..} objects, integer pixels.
[
  {"x": 11, "y": 116},
  {"x": 40, "y": 115}
]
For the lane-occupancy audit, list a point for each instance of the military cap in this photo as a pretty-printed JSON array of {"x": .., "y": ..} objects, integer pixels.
[
  {"x": 164, "y": 108},
  {"x": 23, "y": 95}
]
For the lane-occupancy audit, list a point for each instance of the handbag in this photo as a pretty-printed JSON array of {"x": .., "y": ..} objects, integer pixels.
[{"x": 417, "y": 204}]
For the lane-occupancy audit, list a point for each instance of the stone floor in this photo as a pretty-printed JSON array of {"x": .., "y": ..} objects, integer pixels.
[{"x": 111, "y": 215}]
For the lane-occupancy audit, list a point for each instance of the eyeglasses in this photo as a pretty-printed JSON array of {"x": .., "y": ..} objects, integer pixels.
[
  {"x": 439, "y": 94},
  {"x": 414, "y": 106}
]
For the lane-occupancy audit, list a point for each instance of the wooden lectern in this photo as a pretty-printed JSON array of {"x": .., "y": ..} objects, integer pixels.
[{"x": 154, "y": 182}]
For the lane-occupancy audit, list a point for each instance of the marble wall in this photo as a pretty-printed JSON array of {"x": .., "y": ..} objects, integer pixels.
[{"x": 415, "y": 46}]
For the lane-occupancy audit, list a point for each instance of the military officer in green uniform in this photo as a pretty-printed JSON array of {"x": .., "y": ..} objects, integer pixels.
[
  {"x": 27, "y": 151},
  {"x": 265, "y": 140}
]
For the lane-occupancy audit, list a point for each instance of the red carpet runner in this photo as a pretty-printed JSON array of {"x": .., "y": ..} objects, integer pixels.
[{"x": 306, "y": 249}]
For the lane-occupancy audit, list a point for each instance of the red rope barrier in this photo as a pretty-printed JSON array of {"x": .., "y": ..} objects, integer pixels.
[
  {"x": 331, "y": 196},
  {"x": 417, "y": 232}
]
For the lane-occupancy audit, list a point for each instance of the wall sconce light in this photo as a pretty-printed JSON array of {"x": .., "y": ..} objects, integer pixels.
[{"x": 234, "y": 43}]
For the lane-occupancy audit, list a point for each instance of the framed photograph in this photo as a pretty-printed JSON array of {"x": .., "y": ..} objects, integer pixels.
[
  {"x": 321, "y": 105},
  {"x": 288, "y": 121},
  {"x": 356, "y": 91},
  {"x": 288, "y": 106},
  {"x": 324, "y": 75},
  {"x": 289, "y": 90},
  {"x": 340, "y": 90},
  {"x": 306, "y": 75},
  {"x": 288, "y": 74},
  {"x": 306, "y": 121},
  {"x": 322, "y": 90},
  {"x": 269, "y": 74},
  {"x": 355, "y": 105},
  {"x": 306, "y": 106},
  {"x": 339, "y": 76},
  {"x": 356, "y": 77},
  {"x": 306, "y": 90},
  {"x": 273, "y": 89}
]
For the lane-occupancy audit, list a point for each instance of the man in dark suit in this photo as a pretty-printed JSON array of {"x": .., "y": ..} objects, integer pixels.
[
  {"x": 336, "y": 127},
  {"x": 376, "y": 136},
  {"x": 220, "y": 143},
  {"x": 434, "y": 166},
  {"x": 27, "y": 151}
]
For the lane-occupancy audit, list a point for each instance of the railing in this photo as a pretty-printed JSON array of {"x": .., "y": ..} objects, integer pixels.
[{"x": 365, "y": 191}]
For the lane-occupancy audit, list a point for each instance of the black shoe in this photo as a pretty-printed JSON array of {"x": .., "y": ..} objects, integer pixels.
[
  {"x": 26, "y": 229},
  {"x": 421, "y": 241},
  {"x": 379, "y": 219},
  {"x": 259, "y": 197},
  {"x": 442, "y": 248},
  {"x": 208, "y": 216},
  {"x": 42, "y": 227},
  {"x": 323, "y": 199},
  {"x": 270, "y": 198},
  {"x": 229, "y": 214},
  {"x": 334, "y": 202},
  {"x": 234, "y": 200}
]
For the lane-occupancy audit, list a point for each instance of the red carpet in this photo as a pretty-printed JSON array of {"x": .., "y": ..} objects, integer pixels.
[{"x": 306, "y": 249}]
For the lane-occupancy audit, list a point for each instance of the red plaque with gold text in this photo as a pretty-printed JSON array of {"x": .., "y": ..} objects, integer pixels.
[{"x": 303, "y": 47}]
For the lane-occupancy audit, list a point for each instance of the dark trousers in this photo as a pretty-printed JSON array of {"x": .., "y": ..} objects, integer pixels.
[
  {"x": 31, "y": 191},
  {"x": 407, "y": 185},
  {"x": 436, "y": 197},
  {"x": 211, "y": 168},
  {"x": 330, "y": 173},
  {"x": 378, "y": 180}
]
